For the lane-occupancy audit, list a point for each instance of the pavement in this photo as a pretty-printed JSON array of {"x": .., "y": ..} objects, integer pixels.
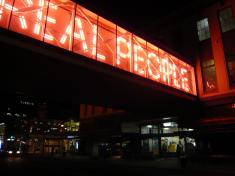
[
  {"x": 84, "y": 165},
  {"x": 210, "y": 166}
]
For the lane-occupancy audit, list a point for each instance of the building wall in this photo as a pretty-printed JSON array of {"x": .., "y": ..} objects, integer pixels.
[
  {"x": 90, "y": 111},
  {"x": 223, "y": 87}
]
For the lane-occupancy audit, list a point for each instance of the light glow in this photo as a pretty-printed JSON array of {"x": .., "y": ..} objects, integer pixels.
[
  {"x": 149, "y": 126},
  {"x": 137, "y": 60},
  {"x": 120, "y": 54},
  {"x": 29, "y": 2},
  {"x": 2, "y": 2},
  {"x": 9, "y": 7},
  {"x": 153, "y": 66},
  {"x": 23, "y": 22},
  {"x": 48, "y": 37},
  {"x": 81, "y": 34},
  {"x": 37, "y": 26},
  {"x": 51, "y": 20},
  {"x": 72, "y": 27}
]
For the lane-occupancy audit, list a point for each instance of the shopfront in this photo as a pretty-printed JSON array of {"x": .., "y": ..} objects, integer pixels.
[{"x": 162, "y": 138}]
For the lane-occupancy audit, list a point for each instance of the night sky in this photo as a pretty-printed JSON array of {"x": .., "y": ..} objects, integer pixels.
[{"x": 142, "y": 16}]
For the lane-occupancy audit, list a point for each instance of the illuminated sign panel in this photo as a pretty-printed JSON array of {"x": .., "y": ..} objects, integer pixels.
[{"x": 68, "y": 25}]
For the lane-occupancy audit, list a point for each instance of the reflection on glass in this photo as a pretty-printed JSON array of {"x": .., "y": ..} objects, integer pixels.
[
  {"x": 167, "y": 69},
  {"x": 59, "y": 24},
  {"x": 29, "y": 17},
  {"x": 85, "y": 33},
  {"x": 5, "y": 12},
  {"x": 72, "y": 27},
  {"x": 209, "y": 75},
  {"x": 124, "y": 49},
  {"x": 140, "y": 55},
  {"x": 106, "y": 48}
]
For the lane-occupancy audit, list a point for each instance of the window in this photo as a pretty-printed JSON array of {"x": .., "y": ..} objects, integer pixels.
[
  {"x": 124, "y": 49},
  {"x": 230, "y": 58},
  {"x": 227, "y": 21},
  {"x": 5, "y": 12},
  {"x": 169, "y": 127},
  {"x": 28, "y": 18},
  {"x": 59, "y": 24},
  {"x": 209, "y": 75},
  {"x": 208, "y": 66},
  {"x": 140, "y": 55},
  {"x": 85, "y": 33},
  {"x": 203, "y": 29},
  {"x": 149, "y": 129},
  {"x": 106, "y": 46}
]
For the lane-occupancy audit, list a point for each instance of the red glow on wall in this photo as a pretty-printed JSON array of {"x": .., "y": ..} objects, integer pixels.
[
  {"x": 64, "y": 24},
  {"x": 218, "y": 120}
]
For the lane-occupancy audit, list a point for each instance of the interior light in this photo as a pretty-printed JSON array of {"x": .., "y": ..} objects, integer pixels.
[
  {"x": 149, "y": 126},
  {"x": 167, "y": 124}
]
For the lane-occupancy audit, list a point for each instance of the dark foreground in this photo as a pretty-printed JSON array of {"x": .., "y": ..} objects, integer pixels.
[{"x": 30, "y": 166}]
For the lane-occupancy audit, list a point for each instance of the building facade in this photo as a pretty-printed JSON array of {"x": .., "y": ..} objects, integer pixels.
[{"x": 165, "y": 100}]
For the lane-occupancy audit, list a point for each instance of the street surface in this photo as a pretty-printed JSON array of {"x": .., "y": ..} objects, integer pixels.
[{"x": 84, "y": 166}]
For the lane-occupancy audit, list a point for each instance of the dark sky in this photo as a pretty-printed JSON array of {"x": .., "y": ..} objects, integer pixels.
[{"x": 143, "y": 16}]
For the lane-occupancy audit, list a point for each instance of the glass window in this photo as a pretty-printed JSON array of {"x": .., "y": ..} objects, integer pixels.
[
  {"x": 140, "y": 55},
  {"x": 208, "y": 66},
  {"x": 203, "y": 29},
  {"x": 227, "y": 21},
  {"x": 59, "y": 24},
  {"x": 169, "y": 127},
  {"x": 167, "y": 69},
  {"x": 149, "y": 129},
  {"x": 124, "y": 49},
  {"x": 144, "y": 130},
  {"x": 230, "y": 58},
  {"x": 29, "y": 17},
  {"x": 209, "y": 75},
  {"x": 153, "y": 63},
  {"x": 85, "y": 33},
  {"x": 106, "y": 48},
  {"x": 5, "y": 12}
]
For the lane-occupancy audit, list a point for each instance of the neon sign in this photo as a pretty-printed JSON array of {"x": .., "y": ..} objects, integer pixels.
[{"x": 66, "y": 24}]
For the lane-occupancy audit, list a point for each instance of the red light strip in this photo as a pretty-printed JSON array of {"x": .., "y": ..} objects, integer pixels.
[{"x": 74, "y": 28}]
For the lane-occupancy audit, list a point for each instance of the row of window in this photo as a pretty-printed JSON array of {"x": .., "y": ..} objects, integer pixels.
[{"x": 227, "y": 24}]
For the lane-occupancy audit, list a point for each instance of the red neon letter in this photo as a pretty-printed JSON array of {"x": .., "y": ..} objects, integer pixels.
[
  {"x": 153, "y": 66},
  {"x": 184, "y": 80},
  {"x": 121, "y": 54},
  {"x": 67, "y": 33},
  {"x": 164, "y": 69},
  {"x": 94, "y": 39},
  {"x": 50, "y": 20},
  {"x": 5, "y": 11},
  {"x": 138, "y": 61},
  {"x": 81, "y": 35},
  {"x": 175, "y": 78},
  {"x": 37, "y": 26}
]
